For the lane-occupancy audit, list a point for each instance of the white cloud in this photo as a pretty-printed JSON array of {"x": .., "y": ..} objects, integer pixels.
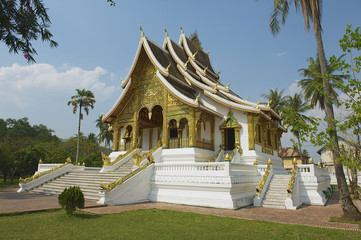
[
  {"x": 280, "y": 54},
  {"x": 19, "y": 83}
]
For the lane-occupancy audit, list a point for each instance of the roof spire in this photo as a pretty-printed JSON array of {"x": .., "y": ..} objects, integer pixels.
[
  {"x": 195, "y": 54},
  {"x": 269, "y": 103},
  {"x": 185, "y": 64},
  {"x": 166, "y": 33},
  {"x": 121, "y": 79},
  {"x": 197, "y": 98},
  {"x": 141, "y": 29},
  {"x": 181, "y": 29},
  {"x": 247, "y": 98},
  {"x": 167, "y": 69},
  {"x": 208, "y": 52},
  {"x": 205, "y": 70},
  {"x": 228, "y": 85},
  {"x": 258, "y": 104}
]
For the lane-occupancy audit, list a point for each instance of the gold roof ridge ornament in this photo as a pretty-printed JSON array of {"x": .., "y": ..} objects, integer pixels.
[
  {"x": 166, "y": 33},
  {"x": 194, "y": 55},
  {"x": 228, "y": 85},
  {"x": 181, "y": 29},
  {"x": 247, "y": 98},
  {"x": 122, "y": 80},
  {"x": 258, "y": 104},
  {"x": 215, "y": 86},
  {"x": 269, "y": 103},
  {"x": 205, "y": 70},
  {"x": 197, "y": 98},
  {"x": 208, "y": 52},
  {"x": 141, "y": 29},
  {"x": 167, "y": 69},
  {"x": 185, "y": 64}
]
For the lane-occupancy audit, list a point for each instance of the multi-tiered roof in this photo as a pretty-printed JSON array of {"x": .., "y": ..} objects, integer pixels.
[{"x": 187, "y": 73}]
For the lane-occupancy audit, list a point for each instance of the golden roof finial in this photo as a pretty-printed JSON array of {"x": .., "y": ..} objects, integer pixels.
[
  {"x": 269, "y": 103},
  {"x": 167, "y": 69},
  {"x": 218, "y": 73},
  {"x": 166, "y": 33},
  {"x": 208, "y": 52},
  {"x": 215, "y": 86},
  {"x": 269, "y": 161},
  {"x": 205, "y": 70},
  {"x": 122, "y": 80},
  {"x": 258, "y": 103},
  {"x": 197, "y": 98},
  {"x": 102, "y": 115},
  {"x": 195, "y": 54},
  {"x": 185, "y": 65},
  {"x": 311, "y": 161},
  {"x": 281, "y": 113},
  {"x": 228, "y": 85},
  {"x": 141, "y": 29},
  {"x": 247, "y": 98},
  {"x": 181, "y": 29}
]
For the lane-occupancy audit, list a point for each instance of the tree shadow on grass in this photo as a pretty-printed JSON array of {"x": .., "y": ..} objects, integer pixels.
[{"x": 84, "y": 215}]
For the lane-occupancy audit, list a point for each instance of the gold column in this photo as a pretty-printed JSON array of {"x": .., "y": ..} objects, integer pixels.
[
  {"x": 165, "y": 120},
  {"x": 223, "y": 140},
  {"x": 136, "y": 130},
  {"x": 252, "y": 121},
  {"x": 115, "y": 137},
  {"x": 192, "y": 131},
  {"x": 236, "y": 136}
]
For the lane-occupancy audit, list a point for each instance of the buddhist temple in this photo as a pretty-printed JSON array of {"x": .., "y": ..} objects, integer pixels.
[{"x": 182, "y": 136}]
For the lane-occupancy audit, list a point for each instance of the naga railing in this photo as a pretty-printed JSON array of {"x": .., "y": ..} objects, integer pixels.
[{"x": 264, "y": 178}]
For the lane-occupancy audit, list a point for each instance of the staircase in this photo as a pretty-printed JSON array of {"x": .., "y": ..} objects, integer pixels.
[
  {"x": 88, "y": 181},
  {"x": 276, "y": 193}
]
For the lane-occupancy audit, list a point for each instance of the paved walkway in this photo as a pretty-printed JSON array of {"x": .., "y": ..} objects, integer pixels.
[{"x": 11, "y": 201}]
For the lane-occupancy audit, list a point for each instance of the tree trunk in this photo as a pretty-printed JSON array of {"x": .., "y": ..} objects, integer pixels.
[
  {"x": 354, "y": 187},
  {"x": 77, "y": 144},
  {"x": 349, "y": 209}
]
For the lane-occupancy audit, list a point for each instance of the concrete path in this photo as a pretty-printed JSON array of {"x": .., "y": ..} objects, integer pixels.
[
  {"x": 319, "y": 216},
  {"x": 12, "y": 201}
]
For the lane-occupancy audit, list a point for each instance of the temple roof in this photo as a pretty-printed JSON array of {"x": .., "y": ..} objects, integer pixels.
[{"x": 188, "y": 74}]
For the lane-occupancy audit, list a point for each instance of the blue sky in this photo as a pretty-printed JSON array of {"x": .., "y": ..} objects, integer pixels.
[{"x": 97, "y": 45}]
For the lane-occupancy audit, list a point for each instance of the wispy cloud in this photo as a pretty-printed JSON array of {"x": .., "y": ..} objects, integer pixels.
[{"x": 280, "y": 54}]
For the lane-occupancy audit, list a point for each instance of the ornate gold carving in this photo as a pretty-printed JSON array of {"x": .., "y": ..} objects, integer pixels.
[
  {"x": 141, "y": 29},
  {"x": 105, "y": 160},
  {"x": 230, "y": 122},
  {"x": 264, "y": 178}
]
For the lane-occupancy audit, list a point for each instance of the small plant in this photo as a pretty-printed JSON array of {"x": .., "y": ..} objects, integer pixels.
[
  {"x": 71, "y": 198},
  {"x": 329, "y": 191}
]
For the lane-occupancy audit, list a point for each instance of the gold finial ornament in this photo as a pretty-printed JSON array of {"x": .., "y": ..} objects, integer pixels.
[
  {"x": 319, "y": 164},
  {"x": 141, "y": 29},
  {"x": 269, "y": 103},
  {"x": 122, "y": 80},
  {"x": 166, "y": 33},
  {"x": 205, "y": 70},
  {"x": 40, "y": 161},
  {"x": 269, "y": 161},
  {"x": 195, "y": 54},
  {"x": 186, "y": 63},
  {"x": 258, "y": 104},
  {"x": 68, "y": 160},
  {"x": 215, "y": 86},
  {"x": 311, "y": 161},
  {"x": 247, "y": 98},
  {"x": 228, "y": 85},
  {"x": 197, "y": 98},
  {"x": 83, "y": 163},
  {"x": 167, "y": 69},
  {"x": 255, "y": 162},
  {"x": 181, "y": 29},
  {"x": 294, "y": 161},
  {"x": 281, "y": 113},
  {"x": 208, "y": 52}
]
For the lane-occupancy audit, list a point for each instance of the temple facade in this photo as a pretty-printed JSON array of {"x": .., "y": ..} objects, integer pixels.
[{"x": 172, "y": 94}]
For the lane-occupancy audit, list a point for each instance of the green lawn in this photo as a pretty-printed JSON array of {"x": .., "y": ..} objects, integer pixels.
[{"x": 153, "y": 224}]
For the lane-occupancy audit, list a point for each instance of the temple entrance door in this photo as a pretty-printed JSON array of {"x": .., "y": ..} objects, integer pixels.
[
  {"x": 229, "y": 139},
  {"x": 150, "y": 124}
]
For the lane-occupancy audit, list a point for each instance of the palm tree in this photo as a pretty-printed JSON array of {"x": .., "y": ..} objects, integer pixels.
[
  {"x": 277, "y": 101},
  {"x": 312, "y": 13},
  {"x": 298, "y": 106},
  {"x": 83, "y": 99},
  {"x": 102, "y": 128},
  {"x": 312, "y": 84}
]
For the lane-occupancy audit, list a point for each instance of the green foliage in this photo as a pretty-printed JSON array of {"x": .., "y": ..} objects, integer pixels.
[
  {"x": 329, "y": 191},
  {"x": 92, "y": 160},
  {"x": 21, "y": 23},
  {"x": 71, "y": 199}
]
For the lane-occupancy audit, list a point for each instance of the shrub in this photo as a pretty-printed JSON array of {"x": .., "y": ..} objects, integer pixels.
[{"x": 71, "y": 198}]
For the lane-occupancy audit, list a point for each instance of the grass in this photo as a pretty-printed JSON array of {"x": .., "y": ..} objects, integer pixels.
[
  {"x": 7, "y": 184},
  {"x": 153, "y": 224},
  {"x": 343, "y": 220}
]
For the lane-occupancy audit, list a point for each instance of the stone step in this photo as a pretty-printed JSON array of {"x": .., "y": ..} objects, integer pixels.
[
  {"x": 274, "y": 206},
  {"x": 87, "y": 196}
]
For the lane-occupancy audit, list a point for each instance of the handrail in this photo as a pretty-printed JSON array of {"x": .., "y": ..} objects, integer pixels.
[
  {"x": 110, "y": 186},
  {"x": 35, "y": 176},
  {"x": 139, "y": 158},
  {"x": 264, "y": 178},
  {"x": 107, "y": 161},
  {"x": 215, "y": 156},
  {"x": 291, "y": 183}
]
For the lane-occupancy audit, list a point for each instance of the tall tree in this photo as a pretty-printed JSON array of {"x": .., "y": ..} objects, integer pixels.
[
  {"x": 312, "y": 84},
  {"x": 83, "y": 100},
  {"x": 276, "y": 99},
  {"x": 294, "y": 108},
  {"x": 312, "y": 14},
  {"x": 21, "y": 22}
]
